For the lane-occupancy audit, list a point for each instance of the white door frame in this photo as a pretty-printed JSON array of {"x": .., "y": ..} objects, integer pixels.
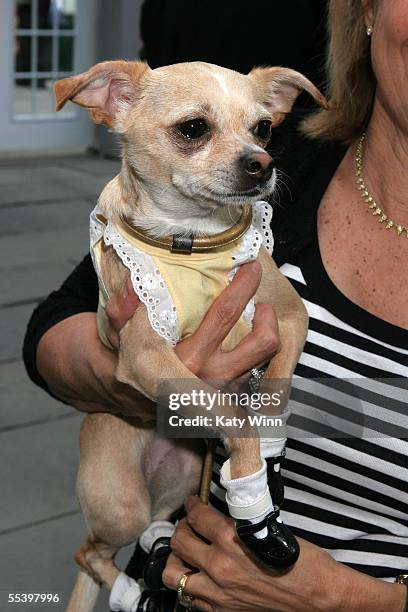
[{"x": 72, "y": 131}]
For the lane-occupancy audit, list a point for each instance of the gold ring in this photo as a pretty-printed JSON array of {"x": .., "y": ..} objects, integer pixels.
[{"x": 184, "y": 600}]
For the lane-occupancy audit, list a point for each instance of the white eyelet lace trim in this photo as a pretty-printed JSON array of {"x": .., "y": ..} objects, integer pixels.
[
  {"x": 261, "y": 218},
  {"x": 149, "y": 284},
  {"x": 146, "y": 279},
  {"x": 259, "y": 234}
]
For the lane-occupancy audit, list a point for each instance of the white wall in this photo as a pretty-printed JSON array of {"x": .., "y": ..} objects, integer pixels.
[{"x": 119, "y": 38}]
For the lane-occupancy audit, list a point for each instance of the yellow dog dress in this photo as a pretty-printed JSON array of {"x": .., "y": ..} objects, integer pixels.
[{"x": 176, "y": 288}]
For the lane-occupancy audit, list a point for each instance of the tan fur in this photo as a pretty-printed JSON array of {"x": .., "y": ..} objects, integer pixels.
[
  {"x": 279, "y": 88},
  {"x": 89, "y": 88},
  {"x": 167, "y": 184}
]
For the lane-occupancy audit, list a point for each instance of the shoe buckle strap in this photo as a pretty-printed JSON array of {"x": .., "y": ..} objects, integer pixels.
[
  {"x": 252, "y": 528},
  {"x": 250, "y": 511}
]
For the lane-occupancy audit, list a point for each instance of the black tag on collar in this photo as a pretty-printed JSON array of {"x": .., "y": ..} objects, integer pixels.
[{"x": 182, "y": 244}]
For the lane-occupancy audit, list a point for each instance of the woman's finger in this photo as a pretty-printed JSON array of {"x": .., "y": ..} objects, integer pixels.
[
  {"x": 254, "y": 350},
  {"x": 198, "y": 585},
  {"x": 259, "y": 346},
  {"x": 227, "y": 308},
  {"x": 189, "y": 547},
  {"x": 205, "y": 521},
  {"x": 175, "y": 568}
]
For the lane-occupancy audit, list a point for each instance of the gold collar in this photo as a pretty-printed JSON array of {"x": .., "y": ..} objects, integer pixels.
[{"x": 195, "y": 244}]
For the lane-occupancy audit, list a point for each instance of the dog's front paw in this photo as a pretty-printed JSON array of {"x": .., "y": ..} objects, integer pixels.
[{"x": 278, "y": 549}]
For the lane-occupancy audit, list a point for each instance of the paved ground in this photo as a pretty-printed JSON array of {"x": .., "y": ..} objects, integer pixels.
[{"x": 44, "y": 207}]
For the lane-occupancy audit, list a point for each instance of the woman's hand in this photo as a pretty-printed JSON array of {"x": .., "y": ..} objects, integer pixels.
[
  {"x": 229, "y": 579},
  {"x": 79, "y": 369},
  {"x": 201, "y": 352}
]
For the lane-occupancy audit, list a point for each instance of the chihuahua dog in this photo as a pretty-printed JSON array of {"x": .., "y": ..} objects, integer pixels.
[{"x": 182, "y": 215}]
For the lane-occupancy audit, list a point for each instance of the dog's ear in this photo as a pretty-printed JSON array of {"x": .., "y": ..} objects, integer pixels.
[
  {"x": 279, "y": 87},
  {"x": 104, "y": 89}
]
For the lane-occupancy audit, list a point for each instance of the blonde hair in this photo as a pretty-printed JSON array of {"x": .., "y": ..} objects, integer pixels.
[{"x": 350, "y": 79}]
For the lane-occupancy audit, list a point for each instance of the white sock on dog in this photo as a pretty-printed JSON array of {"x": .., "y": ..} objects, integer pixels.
[
  {"x": 125, "y": 593},
  {"x": 156, "y": 529},
  {"x": 272, "y": 447},
  {"x": 248, "y": 497}
]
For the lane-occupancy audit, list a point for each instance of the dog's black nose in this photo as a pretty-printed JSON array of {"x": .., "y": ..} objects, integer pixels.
[{"x": 258, "y": 166}]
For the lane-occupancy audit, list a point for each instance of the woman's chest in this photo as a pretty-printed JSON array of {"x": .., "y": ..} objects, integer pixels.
[{"x": 365, "y": 261}]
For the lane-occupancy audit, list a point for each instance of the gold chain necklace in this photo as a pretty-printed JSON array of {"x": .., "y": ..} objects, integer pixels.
[{"x": 367, "y": 197}]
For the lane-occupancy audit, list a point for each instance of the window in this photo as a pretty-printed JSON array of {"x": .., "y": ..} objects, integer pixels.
[{"x": 44, "y": 51}]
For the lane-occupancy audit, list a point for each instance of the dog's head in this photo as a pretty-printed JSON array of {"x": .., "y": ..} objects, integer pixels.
[{"x": 192, "y": 130}]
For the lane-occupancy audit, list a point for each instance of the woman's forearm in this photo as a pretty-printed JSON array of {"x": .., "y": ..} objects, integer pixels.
[
  {"x": 347, "y": 592},
  {"x": 361, "y": 592},
  {"x": 78, "y": 368}
]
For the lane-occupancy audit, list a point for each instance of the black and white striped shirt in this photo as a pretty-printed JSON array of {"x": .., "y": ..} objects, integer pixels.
[{"x": 346, "y": 472}]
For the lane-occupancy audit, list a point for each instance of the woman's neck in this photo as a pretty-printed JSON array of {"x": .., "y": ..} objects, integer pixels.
[{"x": 385, "y": 164}]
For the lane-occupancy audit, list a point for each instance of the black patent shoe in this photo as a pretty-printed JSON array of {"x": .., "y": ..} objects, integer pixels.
[
  {"x": 275, "y": 480},
  {"x": 279, "y": 549},
  {"x": 136, "y": 563},
  {"x": 155, "y": 564}
]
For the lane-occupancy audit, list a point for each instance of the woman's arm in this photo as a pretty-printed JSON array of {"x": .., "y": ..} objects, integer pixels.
[
  {"x": 78, "y": 294},
  {"x": 229, "y": 579},
  {"x": 77, "y": 368}
]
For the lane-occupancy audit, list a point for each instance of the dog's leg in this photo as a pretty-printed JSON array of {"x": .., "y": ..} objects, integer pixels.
[
  {"x": 292, "y": 317},
  {"x": 84, "y": 594},
  {"x": 172, "y": 469},
  {"x": 255, "y": 504},
  {"x": 143, "y": 354},
  {"x": 113, "y": 497},
  {"x": 293, "y": 323},
  {"x": 182, "y": 460},
  {"x": 127, "y": 478}
]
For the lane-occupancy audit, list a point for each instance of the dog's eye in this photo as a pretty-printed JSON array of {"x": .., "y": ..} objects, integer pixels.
[
  {"x": 263, "y": 129},
  {"x": 193, "y": 128}
]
